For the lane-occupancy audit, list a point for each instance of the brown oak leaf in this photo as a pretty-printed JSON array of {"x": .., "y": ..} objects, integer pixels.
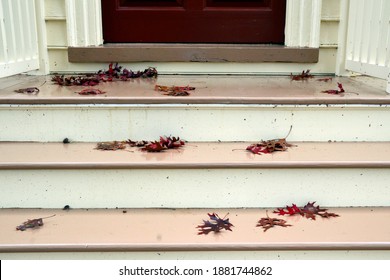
[
  {"x": 267, "y": 223},
  {"x": 34, "y": 223},
  {"x": 111, "y": 146}
]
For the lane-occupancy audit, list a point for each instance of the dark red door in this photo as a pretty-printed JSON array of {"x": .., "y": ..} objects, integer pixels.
[{"x": 194, "y": 21}]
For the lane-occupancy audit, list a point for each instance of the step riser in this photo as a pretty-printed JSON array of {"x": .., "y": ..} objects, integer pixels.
[
  {"x": 195, "y": 188},
  {"x": 194, "y": 123}
]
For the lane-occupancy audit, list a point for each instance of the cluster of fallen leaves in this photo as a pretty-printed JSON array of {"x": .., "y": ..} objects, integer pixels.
[
  {"x": 174, "y": 90},
  {"x": 306, "y": 75},
  {"x": 114, "y": 73},
  {"x": 149, "y": 146},
  {"x": 34, "y": 223},
  {"x": 308, "y": 211},
  {"x": 270, "y": 146},
  {"x": 216, "y": 224}
]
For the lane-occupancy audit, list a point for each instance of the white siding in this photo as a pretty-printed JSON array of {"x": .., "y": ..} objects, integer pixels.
[{"x": 18, "y": 35}]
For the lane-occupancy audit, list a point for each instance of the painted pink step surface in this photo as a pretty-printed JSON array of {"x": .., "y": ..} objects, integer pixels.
[
  {"x": 209, "y": 90},
  {"x": 174, "y": 229}
]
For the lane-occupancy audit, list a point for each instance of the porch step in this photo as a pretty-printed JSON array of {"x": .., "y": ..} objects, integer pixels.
[
  {"x": 129, "y": 231},
  {"x": 200, "y": 175},
  {"x": 225, "y": 108}
]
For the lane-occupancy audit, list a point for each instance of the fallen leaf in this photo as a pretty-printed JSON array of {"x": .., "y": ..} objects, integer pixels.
[
  {"x": 267, "y": 223},
  {"x": 270, "y": 146},
  {"x": 154, "y": 147},
  {"x": 30, "y": 90},
  {"x": 335, "y": 91},
  {"x": 303, "y": 76},
  {"x": 91, "y": 91},
  {"x": 174, "y": 90},
  {"x": 111, "y": 146},
  {"x": 215, "y": 224},
  {"x": 34, "y": 223}
]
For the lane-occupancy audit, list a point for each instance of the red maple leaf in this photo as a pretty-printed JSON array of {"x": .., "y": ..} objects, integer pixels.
[
  {"x": 303, "y": 76},
  {"x": 171, "y": 142},
  {"x": 290, "y": 210},
  {"x": 154, "y": 147},
  {"x": 335, "y": 91}
]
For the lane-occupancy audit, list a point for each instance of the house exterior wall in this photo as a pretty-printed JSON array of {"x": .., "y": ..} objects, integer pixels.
[{"x": 57, "y": 24}]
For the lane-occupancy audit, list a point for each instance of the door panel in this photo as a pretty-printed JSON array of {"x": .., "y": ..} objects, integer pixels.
[{"x": 194, "y": 21}]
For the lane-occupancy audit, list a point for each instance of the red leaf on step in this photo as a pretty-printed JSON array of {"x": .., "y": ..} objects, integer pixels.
[
  {"x": 289, "y": 210},
  {"x": 171, "y": 142},
  {"x": 215, "y": 224},
  {"x": 153, "y": 147},
  {"x": 335, "y": 91},
  {"x": 309, "y": 211},
  {"x": 303, "y": 76}
]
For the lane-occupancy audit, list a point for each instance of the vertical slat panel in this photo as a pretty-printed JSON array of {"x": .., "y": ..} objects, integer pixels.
[
  {"x": 19, "y": 43},
  {"x": 384, "y": 31},
  {"x": 3, "y": 37},
  {"x": 83, "y": 19},
  {"x": 368, "y": 43}
]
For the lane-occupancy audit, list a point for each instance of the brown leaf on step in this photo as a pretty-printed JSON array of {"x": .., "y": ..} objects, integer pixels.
[
  {"x": 174, "y": 90},
  {"x": 30, "y": 90},
  {"x": 309, "y": 211},
  {"x": 328, "y": 79},
  {"x": 270, "y": 146},
  {"x": 34, "y": 223},
  {"x": 91, "y": 91},
  {"x": 215, "y": 224},
  {"x": 267, "y": 223},
  {"x": 300, "y": 77},
  {"x": 111, "y": 146},
  {"x": 141, "y": 143}
]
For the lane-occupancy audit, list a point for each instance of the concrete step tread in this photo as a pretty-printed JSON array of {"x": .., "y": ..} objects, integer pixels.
[
  {"x": 25, "y": 155},
  {"x": 209, "y": 90},
  {"x": 175, "y": 229}
]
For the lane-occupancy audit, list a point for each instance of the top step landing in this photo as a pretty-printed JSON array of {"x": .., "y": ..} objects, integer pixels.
[{"x": 209, "y": 90}]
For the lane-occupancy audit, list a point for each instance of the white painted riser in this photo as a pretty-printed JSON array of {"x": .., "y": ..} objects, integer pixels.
[
  {"x": 194, "y": 188},
  {"x": 92, "y": 123}
]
